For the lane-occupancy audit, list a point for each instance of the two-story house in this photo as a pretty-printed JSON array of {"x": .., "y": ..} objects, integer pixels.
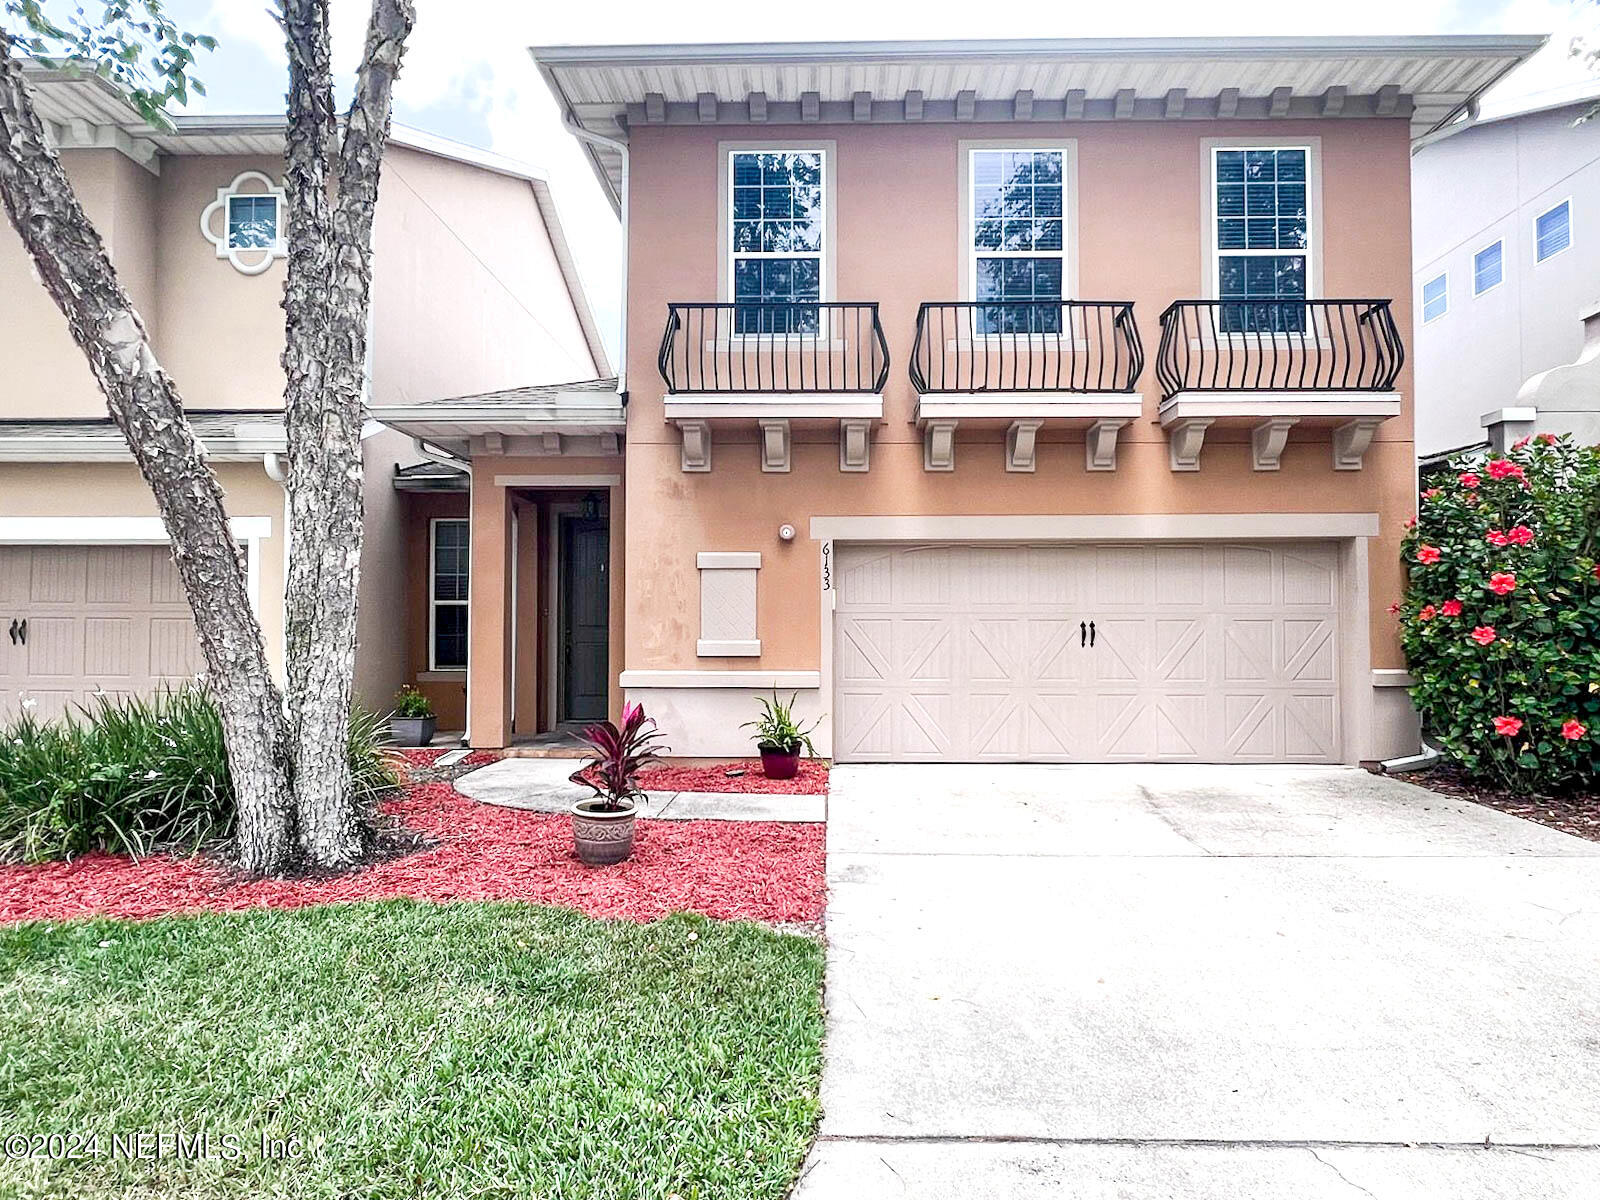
[
  {"x": 1002, "y": 400},
  {"x": 1507, "y": 277},
  {"x": 474, "y": 288}
]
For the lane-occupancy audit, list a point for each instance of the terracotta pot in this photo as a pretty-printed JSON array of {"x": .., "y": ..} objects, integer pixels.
[
  {"x": 602, "y": 837},
  {"x": 412, "y": 731},
  {"x": 779, "y": 764}
]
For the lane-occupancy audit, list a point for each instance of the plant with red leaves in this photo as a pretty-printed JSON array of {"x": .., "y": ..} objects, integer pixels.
[{"x": 617, "y": 755}]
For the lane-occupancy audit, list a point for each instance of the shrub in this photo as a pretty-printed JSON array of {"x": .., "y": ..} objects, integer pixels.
[
  {"x": 776, "y": 729},
  {"x": 1501, "y": 618},
  {"x": 131, "y": 776},
  {"x": 408, "y": 702}
]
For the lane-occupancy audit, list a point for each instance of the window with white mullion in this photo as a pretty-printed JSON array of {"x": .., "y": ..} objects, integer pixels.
[
  {"x": 1017, "y": 239},
  {"x": 449, "y": 565},
  {"x": 776, "y": 223},
  {"x": 1261, "y": 237}
]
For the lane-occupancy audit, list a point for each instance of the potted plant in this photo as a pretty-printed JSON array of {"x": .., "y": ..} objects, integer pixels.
[
  {"x": 780, "y": 738},
  {"x": 602, "y": 826},
  {"x": 413, "y": 722}
]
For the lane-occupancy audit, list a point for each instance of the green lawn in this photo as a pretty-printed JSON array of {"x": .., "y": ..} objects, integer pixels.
[{"x": 460, "y": 1051}]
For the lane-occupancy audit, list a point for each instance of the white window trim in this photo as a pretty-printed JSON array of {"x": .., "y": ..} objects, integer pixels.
[
  {"x": 1211, "y": 265},
  {"x": 1501, "y": 242},
  {"x": 1422, "y": 298},
  {"x": 237, "y": 255},
  {"x": 433, "y": 601},
  {"x": 1571, "y": 236},
  {"x": 828, "y": 149}
]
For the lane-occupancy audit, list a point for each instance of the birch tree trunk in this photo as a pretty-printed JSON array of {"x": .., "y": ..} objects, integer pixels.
[
  {"x": 72, "y": 263},
  {"x": 327, "y": 302}
]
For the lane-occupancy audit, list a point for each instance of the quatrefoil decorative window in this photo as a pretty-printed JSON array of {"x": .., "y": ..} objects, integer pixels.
[{"x": 246, "y": 223}]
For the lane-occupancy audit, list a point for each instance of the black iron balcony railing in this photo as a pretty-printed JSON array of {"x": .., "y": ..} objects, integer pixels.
[
  {"x": 1278, "y": 345},
  {"x": 774, "y": 346},
  {"x": 1026, "y": 346}
]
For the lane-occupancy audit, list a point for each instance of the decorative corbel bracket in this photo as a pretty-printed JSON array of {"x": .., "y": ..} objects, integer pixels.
[
  {"x": 776, "y": 445},
  {"x": 1021, "y": 445},
  {"x": 1267, "y": 441},
  {"x": 1350, "y": 442},
  {"x": 855, "y": 445},
  {"x": 695, "y": 454},
  {"x": 1184, "y": 439},
  {"x": 939, "y": 446},
  {"x": 1100, "y": 445}
]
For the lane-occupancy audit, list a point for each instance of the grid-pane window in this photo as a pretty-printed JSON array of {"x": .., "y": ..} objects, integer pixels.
[
  {"x": 1018, "y": 239},
  {"x": 1263, "y": 238},
  {"x": 448, "y": 580},
  {"x": 1552, "y": 231},
  {"x": 777, "y": 232},
  {"x": 1435, "y": 297},
  {"x": 252, "y": 222},
  {"x": 1488, "y": 268}
]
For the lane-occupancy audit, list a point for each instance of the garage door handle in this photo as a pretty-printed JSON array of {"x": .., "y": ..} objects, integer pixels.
[
  {"x": 1091, "y": 633},
  {"x": 18, "y": 631},
  {"x": 1083, "y": 634}
]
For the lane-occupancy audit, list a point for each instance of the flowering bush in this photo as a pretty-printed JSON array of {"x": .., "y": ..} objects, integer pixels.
[{"x": 1501, "y": 620}]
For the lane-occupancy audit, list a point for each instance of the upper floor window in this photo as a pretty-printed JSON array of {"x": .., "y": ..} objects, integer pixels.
[
  {"x": 1552, "y": 231},
  {"x": 252, "y": 222},
  {"x": 245, "y": 223},
  {"x": 776, "y": 229},
  {"x": 1262, "y": 237},
  {"x": 1017, "y": 239},
  {"x": 1488, "y": 268},
  {"x": 449, "y": 558},
  {"x": 1435, "y": 297}
]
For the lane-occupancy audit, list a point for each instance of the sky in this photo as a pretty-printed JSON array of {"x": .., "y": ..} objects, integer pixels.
[{"x": 467, "y": 73}]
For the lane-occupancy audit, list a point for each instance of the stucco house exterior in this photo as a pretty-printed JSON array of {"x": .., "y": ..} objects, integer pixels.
[
  {"x": 1507, "y": 277},
  {"x": 474, "y": 288},
  {"x": 1001, "y": 400}
]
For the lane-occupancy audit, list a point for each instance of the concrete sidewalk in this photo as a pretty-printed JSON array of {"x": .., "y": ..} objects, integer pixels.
[
  {"x": 1156, "y": 983},
  {"x": 542, "y": 785}
]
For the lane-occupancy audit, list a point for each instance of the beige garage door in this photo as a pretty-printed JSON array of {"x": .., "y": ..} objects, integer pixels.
[
  {"x": 1204, "y": 653},
  {"x": 112, "y": 618}
]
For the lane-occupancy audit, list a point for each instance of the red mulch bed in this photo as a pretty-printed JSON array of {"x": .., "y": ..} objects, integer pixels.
[
  {"x": 811, "y": 781},
  {"x": 1577, "y": 813},
  {"x": 733, "y": 870}
]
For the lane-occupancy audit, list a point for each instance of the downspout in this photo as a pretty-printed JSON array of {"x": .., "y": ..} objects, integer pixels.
[
  {"x": 621, "y": 147},
  {"x": 450, "y": 460},
  {"x": 277, "y": 468}
]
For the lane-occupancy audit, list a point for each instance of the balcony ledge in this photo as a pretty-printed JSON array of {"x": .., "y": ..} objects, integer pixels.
[
  {"x": 1353, "y": 416},
  {"x": 771, "y": 413},
  {"x": 1101, "y": 414}
]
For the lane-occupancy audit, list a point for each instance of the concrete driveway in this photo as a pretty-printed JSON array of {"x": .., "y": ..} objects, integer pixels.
[{"x": 1226, "y": 982}]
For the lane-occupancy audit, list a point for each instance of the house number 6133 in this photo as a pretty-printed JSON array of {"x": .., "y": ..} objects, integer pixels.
[{"x": 827, "y": 566}]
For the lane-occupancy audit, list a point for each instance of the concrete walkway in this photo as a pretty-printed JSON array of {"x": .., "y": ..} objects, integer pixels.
[
  {"x": 541, "y": 785},
  {"x": 1164, "y": 983}
]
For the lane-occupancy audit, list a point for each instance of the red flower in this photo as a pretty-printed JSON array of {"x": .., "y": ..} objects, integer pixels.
[
  {"x": 1430, "y": 493},
  {"x": 1483, "y": 634},
  {"x": 1427, "y": 554},
  {"x": 1451, "y": 608},
  {"x": 1521, "y": 535},
  {"x": 1393, "y": 608},
  {"x": 1502, "y": 468},
  {"x": 1521, "y": 442},
  {"x": 1471, "y": 497},
  {"x": 1495, "y": 538},
  {"x": 1573, "y": 730},
  {"x": 1508, "y": 726},
  {"x": 1502, "y": 582},
  {"x": 1597, "y": 572},
  {"x": 1468, "y": 480},
  {"x": 1549, "y": 439},
  {"x": 1411, "y": 523},
  {"x": 1428, "y": 613}
]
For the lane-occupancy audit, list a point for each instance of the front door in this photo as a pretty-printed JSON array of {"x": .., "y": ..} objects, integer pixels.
[{"x": 585, "y": 618}]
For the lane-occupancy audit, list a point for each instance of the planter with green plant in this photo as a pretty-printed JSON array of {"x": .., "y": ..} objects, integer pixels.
[
  {"x": 780, "y": 738},
  {"x": 602, "y": 826},
  {"x": 413, "y": 721}
]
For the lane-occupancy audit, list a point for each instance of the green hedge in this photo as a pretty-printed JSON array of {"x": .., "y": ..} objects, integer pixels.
[
  {"x": 133, "y": 775},
  {"x": 1501, "y": 618}
]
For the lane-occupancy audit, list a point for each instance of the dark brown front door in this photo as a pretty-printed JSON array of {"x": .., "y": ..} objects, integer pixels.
[{"x": 585, "y": 632}]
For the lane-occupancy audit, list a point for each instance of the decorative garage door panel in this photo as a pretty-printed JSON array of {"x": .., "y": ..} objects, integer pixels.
[
  {"x": 1214, "y": 653},
  {"x": 107, "y": 619}
]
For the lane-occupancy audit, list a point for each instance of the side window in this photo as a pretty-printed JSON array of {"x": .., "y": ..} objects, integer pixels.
[
  {"x": 1552, "y": 231},
  {"x": 1017, "y": 240},
  {"x": 1488, "y": 268},
  {"x": 1435, "y": 298},
  {"x": 776, "y": 227},
  {"x": 252, "y": 222},
  {"x": 449, "y": 558},
  {"x": 245, "y": 223},
  {"x": 1261, "y": 236}
]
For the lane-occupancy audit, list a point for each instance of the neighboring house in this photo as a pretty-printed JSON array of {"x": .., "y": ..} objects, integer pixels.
[
  {"x": 473, "y": 289},
  {"x": 1003, "y": 400},
  {"x": 1506, "y": 231}
]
